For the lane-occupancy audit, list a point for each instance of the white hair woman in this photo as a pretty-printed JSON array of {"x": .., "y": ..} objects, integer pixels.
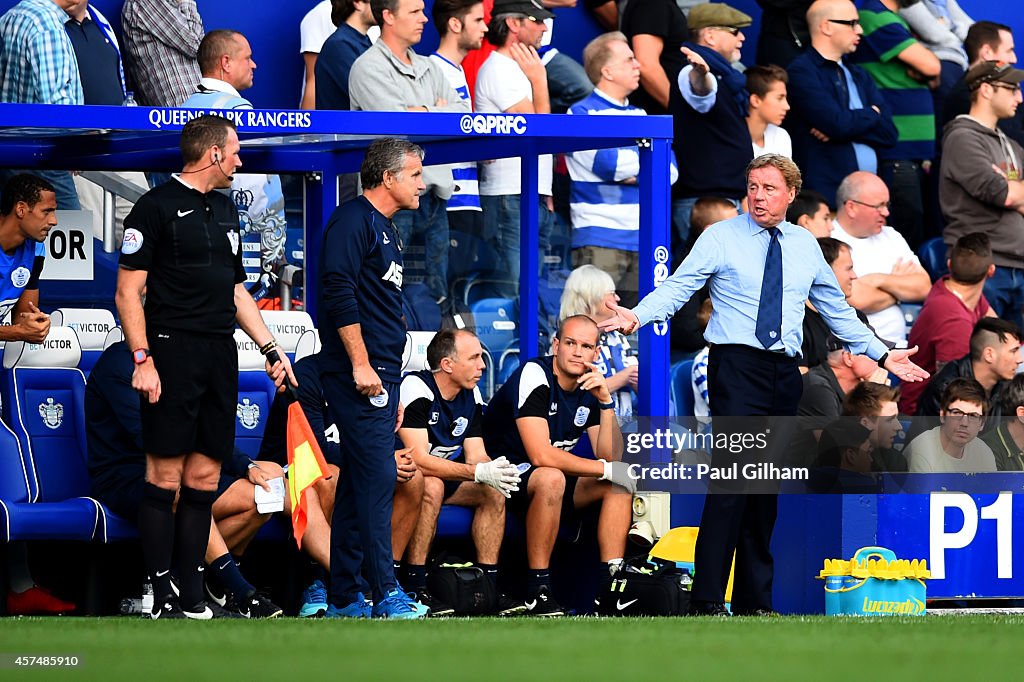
[{"x": 588, "y": 290}]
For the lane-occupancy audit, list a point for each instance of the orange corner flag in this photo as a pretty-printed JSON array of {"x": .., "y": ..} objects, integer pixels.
[{"x": 306, "y": 466}]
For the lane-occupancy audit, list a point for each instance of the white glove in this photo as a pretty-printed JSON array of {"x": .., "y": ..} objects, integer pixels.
[
  {"x": 617, "y": 473},
  {"x": 500, "y": 474}
]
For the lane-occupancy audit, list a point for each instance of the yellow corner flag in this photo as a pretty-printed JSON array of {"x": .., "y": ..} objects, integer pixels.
[{"x": 306, "y": 466}]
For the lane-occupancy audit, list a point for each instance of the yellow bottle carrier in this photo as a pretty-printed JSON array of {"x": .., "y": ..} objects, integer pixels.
[{"x": 874, "y": 583}]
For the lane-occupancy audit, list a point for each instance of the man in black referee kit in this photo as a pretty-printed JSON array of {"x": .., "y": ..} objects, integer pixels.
[
  {"x": 363, "y": 336},
  {"x": 180, "y": 290}
]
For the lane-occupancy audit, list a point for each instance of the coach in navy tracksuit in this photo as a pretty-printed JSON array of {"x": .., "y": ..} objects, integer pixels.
[{"x": 363, "y": 335}]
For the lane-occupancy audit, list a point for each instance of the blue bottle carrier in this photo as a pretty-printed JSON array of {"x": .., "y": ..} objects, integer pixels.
[{"x": 874, "y": 583}]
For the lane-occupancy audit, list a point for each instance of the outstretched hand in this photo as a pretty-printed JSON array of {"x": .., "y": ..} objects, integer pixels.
[
  {"x": 899, "y": 364},
  {"x": 624, "y": 320}
]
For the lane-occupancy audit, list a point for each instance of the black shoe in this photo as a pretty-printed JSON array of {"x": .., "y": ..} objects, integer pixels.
[
  {"x": 507, "y": 606},
  {"x": 168, "y": 609},
  {"x": 436, "y": 606},
  {"x": 254, "y": 606},
  {"x": 708, "y": 608},
  {"x": 543, "y": 604},
  {"x": 757, "y": 613},
  {"x": 221, "y": 612},
  {"x": 213, "y": 598}
]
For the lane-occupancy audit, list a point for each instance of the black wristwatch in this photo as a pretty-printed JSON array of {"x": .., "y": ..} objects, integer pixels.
[{"x": 881, "y": 360}]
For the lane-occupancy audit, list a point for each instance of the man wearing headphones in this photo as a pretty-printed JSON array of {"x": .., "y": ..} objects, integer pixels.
[{"x": 182, "y": 256}]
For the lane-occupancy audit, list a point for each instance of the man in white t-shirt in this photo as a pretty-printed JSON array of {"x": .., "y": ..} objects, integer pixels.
[
  {"x": 461, "y": 25},
  {"x": 768, "y": 106},
  {"x": 513, "y": 80},
  {"x": 888, "y": 272},
  {"x": 953, "y": 446}
]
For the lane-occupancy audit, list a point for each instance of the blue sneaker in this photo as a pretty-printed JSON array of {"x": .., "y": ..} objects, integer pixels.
[
  {"x": 360, "y": 608},
  {"x": 314, "y": 601},
  {"x": 417, "y": 603},
  {"x": 399, "y": 605}
]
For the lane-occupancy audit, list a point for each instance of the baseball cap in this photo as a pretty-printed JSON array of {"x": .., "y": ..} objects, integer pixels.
[
  {"x": 531, "y": 8},
  {"x": 993, "y": 72},
  {"x": 717, "y": 14}
]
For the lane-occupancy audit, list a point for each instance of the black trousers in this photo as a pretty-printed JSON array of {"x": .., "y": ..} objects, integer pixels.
[{"x": 751, "y": 385}]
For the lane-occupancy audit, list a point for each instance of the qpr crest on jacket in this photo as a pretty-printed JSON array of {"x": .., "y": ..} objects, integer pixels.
[
  {"x": 248, "y": 413},
  {"x": 51, "y": 413}
]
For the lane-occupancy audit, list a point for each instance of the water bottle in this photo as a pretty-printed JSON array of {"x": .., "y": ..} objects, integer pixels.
[
  {"x": 131, "y": 606},
  {"x": 686, "y": 580},
  {"x": 129, "y": 99},
  {"x": 147, "y": 598}
]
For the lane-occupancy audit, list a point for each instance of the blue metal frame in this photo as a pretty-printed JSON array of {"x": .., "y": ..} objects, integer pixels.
[{"x": 326, "y": 144}]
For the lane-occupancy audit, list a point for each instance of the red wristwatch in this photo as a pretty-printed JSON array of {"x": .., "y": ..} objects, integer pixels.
[{"x": 140, "y": 355}]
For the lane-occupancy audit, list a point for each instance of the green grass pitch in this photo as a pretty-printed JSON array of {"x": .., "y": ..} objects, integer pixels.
[{"x": 683, "y": 649}]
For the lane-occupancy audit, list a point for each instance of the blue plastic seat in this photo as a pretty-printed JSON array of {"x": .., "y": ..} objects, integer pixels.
[
  {"x": 911, "y": 311},
  {"x": 45, "y": 483},
  {"x": 681, "y": 388},
  {"x": 494, "y": 321},
  {"x": 932, "y": 255},
  {"x": 255, "y": 396}
]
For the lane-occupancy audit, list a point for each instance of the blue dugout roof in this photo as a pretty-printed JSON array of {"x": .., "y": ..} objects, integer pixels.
[{"x": 325, "y": 144}]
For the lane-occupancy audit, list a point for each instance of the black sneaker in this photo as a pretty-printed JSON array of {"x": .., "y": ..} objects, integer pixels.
[
  {"x": 507, "y": 606},
  {"x": 166, "y": 610},
  {"x": 213, "y": 598},
  {"x": 221, "y": 612},
  {"x": 436, "y": 606},
  {"x": 543, "y": 604},
  {"x": 255, "y": 606},
  {"x": 708, "y": 608}
]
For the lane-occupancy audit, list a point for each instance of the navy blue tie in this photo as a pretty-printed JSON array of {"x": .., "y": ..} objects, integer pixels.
[{"x": 769, "y": 310}]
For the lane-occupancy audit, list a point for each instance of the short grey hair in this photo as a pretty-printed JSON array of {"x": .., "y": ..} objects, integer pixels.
[{"x": 386, "y": 154}]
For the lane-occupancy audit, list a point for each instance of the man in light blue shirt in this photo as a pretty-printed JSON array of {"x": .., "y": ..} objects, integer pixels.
[{"x": 761, "y": 270}]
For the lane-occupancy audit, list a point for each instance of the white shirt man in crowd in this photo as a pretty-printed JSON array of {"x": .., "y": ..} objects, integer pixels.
[
  {"x": 954, "y": 446},
  {"x": 390, "y": 76},
  {"x": 888, "y": 272},
  {"x": 513, "y": 80},
  {"x": 461, "y": 25}
]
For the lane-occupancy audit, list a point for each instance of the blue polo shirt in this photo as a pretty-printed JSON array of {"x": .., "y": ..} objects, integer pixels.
[
  {"x": 337, "y": 56},
  {"x": 98, "y": 63}
]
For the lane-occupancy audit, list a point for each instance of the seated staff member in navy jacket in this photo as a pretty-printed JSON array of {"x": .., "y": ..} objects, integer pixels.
[
  {"x": 442, "y": 425},
  {"x": 537, "y": 417}
]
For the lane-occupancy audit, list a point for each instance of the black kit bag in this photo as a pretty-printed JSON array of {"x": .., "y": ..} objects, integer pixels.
[
  {"x": 462, "y": 585},
  {"x": 646, "y": 586}
]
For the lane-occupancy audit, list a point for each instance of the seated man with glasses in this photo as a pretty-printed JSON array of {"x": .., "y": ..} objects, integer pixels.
[
  {"x": 954, "y": 446},
  {"x": 888, "y": 272}
]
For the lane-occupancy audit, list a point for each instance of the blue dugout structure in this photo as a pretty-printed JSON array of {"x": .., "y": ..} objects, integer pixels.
[
  {"x": 974, "y": 541},
  {"x": 326, "y": 144}
]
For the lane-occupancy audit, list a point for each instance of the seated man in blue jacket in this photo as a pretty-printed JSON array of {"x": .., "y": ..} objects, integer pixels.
[
  {"x": 838, "y": 119},
  {"x": 117, "y": 465}
]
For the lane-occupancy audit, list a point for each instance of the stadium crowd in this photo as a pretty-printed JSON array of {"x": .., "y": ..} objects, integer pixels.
[{"x": 903, "y": 119}]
